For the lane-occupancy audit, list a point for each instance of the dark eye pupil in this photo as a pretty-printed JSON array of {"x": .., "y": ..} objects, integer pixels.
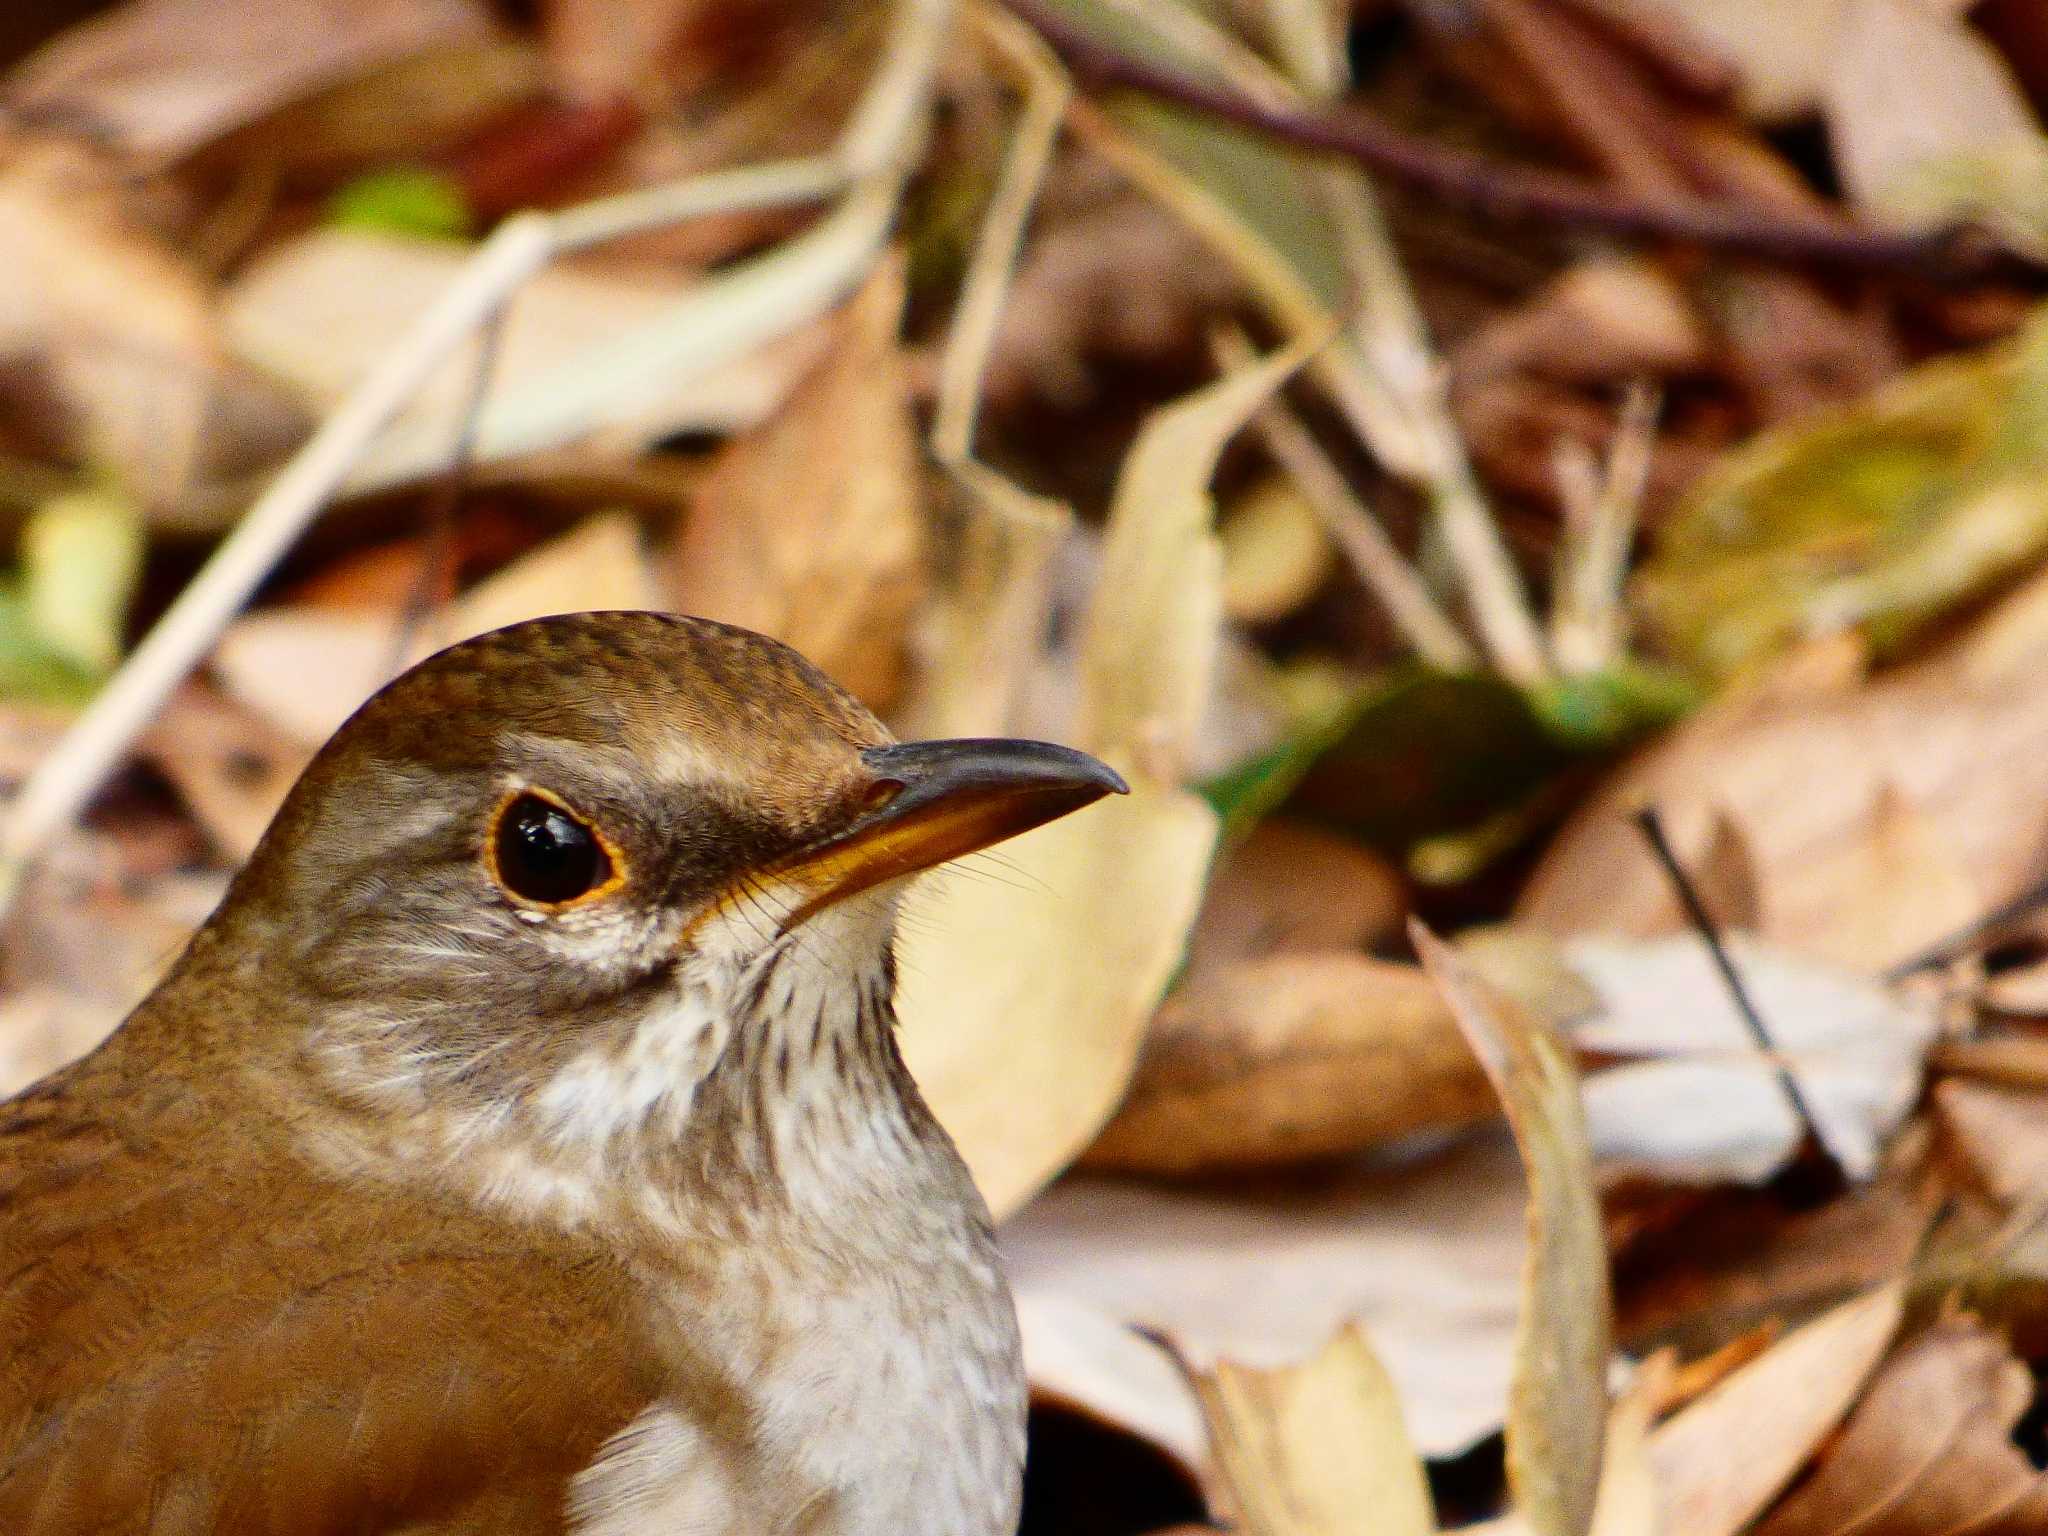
[{"x": 545, "y": 854}]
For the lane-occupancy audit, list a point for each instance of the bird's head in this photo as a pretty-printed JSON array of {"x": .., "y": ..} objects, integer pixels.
[{"x": 550, "y": 848}]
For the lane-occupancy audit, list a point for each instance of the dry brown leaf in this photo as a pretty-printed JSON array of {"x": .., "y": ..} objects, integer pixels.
[
  {"x": 1427, "y": 1254},
  {"x": 1317, "y": 1449},
  {"x": 305, "y": 669},
  {"x": 1903, "y": 889},
  {"x": 1290, "y": 887},
  {"x": 1261, "y": 1062},
  {"x": 109, "y": 336},
  {"x": 2021, "y": 992},
  {"x": 810, "y": 527},
  {"x": 1724, "y": 875},
  {"x": 1557, "y": 1403},
  {"x": 2010, "y": 1060},
  {"x": 1026, "y": 992},
  {"x": 159, "y": 78},
  {"x": 1959, "y": 738},
  {"x": 2004, "y": 1134},
  {"x": 1907, "y": 88},
  {"x": 1720, "y": 1462},
  {"x": 1928, "y": 1449},
  {"x": 231, "y": 768},
  {"x": 1612, "y": 317}
]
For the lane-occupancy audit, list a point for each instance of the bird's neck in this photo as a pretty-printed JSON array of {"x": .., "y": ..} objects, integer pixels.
[{"x": 732, "y": 1096}]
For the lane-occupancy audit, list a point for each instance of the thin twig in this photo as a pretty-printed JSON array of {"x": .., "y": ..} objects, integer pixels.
[
  {"x": 1496, "y": 191},
  {"x": 994, "y": 260},
  {"x": 1601, "y": 512},
  {"x": 1372, "y": 554},
  {"x": 1973, "y": 935},
  {"x": 1652, "y": 828}
]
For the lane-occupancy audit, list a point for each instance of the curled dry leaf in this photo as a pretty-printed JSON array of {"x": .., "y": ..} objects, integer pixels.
[
  {"x": 1290, "y": 1058},
  {"x": 1928, "y": 1450},
  {"x": 304, "y": 670},
  {"x": 1319, "y": 1448},
  {"x": 1557, "y": 1401},
  {"x": 160, "y": 78},
  {"x": 1071, "y": 943},
  {"x": 810, "y": 527},
  {"x": 1721, "y": 1461}
]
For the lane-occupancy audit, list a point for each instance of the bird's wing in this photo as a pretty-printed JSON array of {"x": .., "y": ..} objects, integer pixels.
[{"x": 194, "y": 1344}]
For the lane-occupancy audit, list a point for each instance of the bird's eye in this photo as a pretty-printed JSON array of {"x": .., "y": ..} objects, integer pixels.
[{"x": 542, "y": 852}]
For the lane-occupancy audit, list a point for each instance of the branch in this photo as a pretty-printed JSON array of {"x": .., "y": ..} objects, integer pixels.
[{"x": 1503, "y": 193}]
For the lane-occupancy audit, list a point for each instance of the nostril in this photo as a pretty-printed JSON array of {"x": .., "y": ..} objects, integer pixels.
[{"x": 880, "y": 793}]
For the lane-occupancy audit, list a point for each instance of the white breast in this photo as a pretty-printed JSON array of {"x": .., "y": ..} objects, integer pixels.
[{"x": 877, "y": 1413}]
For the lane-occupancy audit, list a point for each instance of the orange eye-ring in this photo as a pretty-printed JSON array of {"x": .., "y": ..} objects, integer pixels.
[{"x": 542, "y": 853}]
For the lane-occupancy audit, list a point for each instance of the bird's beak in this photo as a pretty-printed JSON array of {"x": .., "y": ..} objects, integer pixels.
[{"x": 939, "y": 800}]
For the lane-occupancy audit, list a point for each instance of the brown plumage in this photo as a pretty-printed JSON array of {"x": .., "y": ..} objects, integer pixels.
[{"x": 424, "y": 1197}]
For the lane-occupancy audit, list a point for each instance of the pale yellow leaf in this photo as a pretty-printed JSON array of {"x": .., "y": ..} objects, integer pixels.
[
  {"x": 1557, "y": 1401},
  {"x": 1317, "y": 1449},
  {"x": 81, "y": 555},
  {"x": 984, "y": 624},
  {"x": 1027, "y": 987},
  {"x": 1149, "y": 644}
]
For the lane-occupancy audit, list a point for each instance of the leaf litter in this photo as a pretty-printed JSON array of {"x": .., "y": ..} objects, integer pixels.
[{"x": 1516, "y": 500}]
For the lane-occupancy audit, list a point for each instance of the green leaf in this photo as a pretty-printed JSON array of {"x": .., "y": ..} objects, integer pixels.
[
  {"x": 1880, "y": 516},
  {"x": 405, "y": 200}
]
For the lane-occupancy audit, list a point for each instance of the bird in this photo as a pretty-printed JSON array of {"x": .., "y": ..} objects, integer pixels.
[{"x": 523, "y": 1144}]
